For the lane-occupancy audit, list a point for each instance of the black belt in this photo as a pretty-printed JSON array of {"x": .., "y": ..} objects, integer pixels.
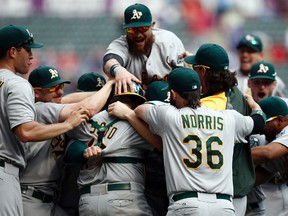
[
  {"x": 254, "y": 205},
  {"x": 2, "y": 163},
  {"x": 122, "y": 160},
  {"x": 37, "y": 194},
  {"x": 191, "y": 194},
  {"x": 110, "y": 187}
]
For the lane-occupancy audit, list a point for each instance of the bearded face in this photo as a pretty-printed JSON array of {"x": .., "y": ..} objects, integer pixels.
[{"x": 140, "y": 43}]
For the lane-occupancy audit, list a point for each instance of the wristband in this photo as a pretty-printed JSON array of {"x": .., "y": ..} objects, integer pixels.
[{"x": 114, "y": 68}]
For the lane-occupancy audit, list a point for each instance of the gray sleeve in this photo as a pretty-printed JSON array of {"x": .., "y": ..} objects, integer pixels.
[
  {"x": 120, "y": 48},
  {"x": 20, "y": 103},
  {"x": 48, "y": 113}
]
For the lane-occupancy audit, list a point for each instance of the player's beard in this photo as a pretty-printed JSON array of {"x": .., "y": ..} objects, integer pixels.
[{"x": 135, "y": 50}]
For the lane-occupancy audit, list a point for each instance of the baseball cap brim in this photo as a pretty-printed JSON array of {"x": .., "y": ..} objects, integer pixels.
[
  {"x": 248, "y": 45},
  {"x": 190, "y": 60},
  {"x": 57, "y": 82},
  {"x": 136, "y": 24},
  {"x": 33, "y": 45},
  {"x": 261, "y": 77}
]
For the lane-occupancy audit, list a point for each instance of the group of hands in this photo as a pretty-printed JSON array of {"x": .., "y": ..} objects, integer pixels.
[{"x": 122, "y": 80}]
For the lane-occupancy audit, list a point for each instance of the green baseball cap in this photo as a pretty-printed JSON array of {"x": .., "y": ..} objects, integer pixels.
[
  {"x": 137, "y": 15},
  {"x": 90, "y": 82},
  {"x": 273, "y": 106},
  {"x": 14, "y": 36},
  {"x": 211, "y": 55},
  {"x": 45, "y": 77},
  {"x": 251, "y": 41},
  {"x": 183, "y": 80},
  {"x": 262, "y": 70},
  {"x": 158, "y": 90}
]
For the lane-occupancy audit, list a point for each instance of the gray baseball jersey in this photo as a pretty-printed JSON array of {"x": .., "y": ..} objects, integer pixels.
[
  {"x": 17, "y": 107},
  {"x": 121, "y": 140},
  {"x": 44, "y": 159},
  {"x": 198, "y": 146},
  {"x": 166, "y": 48},
  {"x": 280, "y": 164}
]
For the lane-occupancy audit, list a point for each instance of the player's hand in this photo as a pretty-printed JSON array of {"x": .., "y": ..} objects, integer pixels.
[
  {"x": 183, "y": 55},
  {"x": 119, "y": 110},
  {"x": 252, "y": 103},
  {"x": 78, "y": 116},
  {"x": 92, "y": 152},
  {"x": 124, "y": 78}
]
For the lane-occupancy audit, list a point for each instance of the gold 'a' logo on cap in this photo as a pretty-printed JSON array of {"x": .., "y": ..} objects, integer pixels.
[
  {"x": 54, "y": 73},
  {"x": 136, "y": 14},
  {"x": 263, "y": 68}
]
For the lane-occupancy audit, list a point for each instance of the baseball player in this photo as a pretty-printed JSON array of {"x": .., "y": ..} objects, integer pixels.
[
  {"x": 250, "y": 51},
  {"x": 144, "y": 54},
  {"x": 90, "y": 82},
  {"x": 275, "y": 152},
  {"x": 155, "y": 185},
  {"x": 112, "y": 184},
  {"x": 262, "y": 82},
  {"x": 39, "y": 180},
  {"x": 198, "y": 146},
  {"x": 219, "y": 91},
  {"x": 18, "y": 114}
]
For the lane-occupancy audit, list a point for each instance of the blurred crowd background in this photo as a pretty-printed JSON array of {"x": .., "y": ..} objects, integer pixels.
[{"x": 77, "y": 32}]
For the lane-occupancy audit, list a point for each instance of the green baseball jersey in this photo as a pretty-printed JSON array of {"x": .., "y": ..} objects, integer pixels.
[
  {"x": 198, "y": 146},
  {"x": 17, "y": 107},
  {"x": 166, "y": 48}
]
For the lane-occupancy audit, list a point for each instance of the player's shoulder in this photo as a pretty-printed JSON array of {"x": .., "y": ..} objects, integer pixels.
[{"x": 14, "y": 82}]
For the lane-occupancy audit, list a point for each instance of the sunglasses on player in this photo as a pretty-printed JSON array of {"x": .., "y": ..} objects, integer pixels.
[
  {"x": 142, "y": 29},
  {"x": 53, "y": 88}
]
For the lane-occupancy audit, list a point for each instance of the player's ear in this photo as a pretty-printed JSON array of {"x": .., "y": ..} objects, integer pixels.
[
  {"x": 173, "y": 94},
  {"x": 37, "y": 94},
  {"x": 152, "y": 25}
]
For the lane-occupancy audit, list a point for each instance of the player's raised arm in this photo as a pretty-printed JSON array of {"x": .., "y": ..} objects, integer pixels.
[
  {"x": 34, "y": 131},
  {"x": 122, "y": 76}
]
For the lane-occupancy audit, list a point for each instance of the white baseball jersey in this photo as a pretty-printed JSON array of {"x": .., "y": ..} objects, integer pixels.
[
  {"x": 198, "y": 146},
  {"x": 121, "y": 140},
  {"x": 17, "y": 107},
  {"x": 44, "y": 159},
  {"x": 167, "y": 47}
]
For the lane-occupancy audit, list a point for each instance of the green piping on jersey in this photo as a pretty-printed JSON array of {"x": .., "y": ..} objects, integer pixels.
[{"x": 101, "y": 130}]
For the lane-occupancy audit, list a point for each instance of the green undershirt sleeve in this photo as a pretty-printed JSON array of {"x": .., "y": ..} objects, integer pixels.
[{"x": 74, "y": 153}]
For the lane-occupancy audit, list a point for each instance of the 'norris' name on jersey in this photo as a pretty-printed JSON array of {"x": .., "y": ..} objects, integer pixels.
[{"x": 202, "y": 122}]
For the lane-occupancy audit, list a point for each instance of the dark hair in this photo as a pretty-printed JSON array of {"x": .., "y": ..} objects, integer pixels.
[
  {"x": 193, "y": 98},
  {"x": 132, "y": 100},
  {"x": 3, "y": 52},
  {"x": 219, "y": 81}
]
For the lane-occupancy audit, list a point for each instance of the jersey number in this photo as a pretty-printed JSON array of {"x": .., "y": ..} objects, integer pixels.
[{"x": 211, "y": 154}]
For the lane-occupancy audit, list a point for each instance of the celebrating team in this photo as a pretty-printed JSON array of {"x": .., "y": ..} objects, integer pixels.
[{"x": 190, "y": 145}]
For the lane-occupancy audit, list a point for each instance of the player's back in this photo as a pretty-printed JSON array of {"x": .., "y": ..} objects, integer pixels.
[{"x": 198, "y": 143}]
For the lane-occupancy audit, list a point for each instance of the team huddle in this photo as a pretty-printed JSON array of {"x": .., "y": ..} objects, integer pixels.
[{"x": 167, "y": 133}]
